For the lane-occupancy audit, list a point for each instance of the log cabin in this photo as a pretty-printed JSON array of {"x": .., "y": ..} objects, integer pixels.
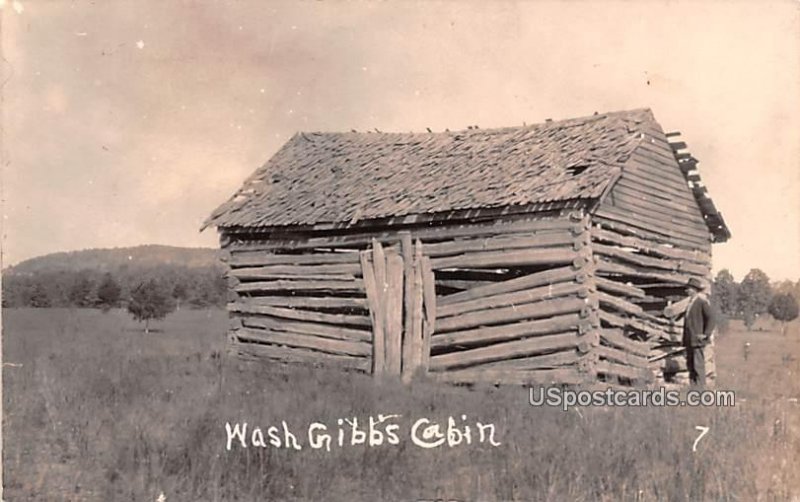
[{"x": 555, "y": 253}]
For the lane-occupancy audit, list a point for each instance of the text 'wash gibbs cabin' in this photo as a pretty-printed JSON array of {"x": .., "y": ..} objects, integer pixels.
[{"x": 537, "y": 254}]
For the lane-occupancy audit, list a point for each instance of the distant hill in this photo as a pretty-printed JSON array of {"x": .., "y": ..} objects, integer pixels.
[{"x": 113, "y": 260}]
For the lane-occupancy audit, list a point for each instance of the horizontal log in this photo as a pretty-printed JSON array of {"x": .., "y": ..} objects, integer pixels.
[
  {"x": 621, "y": 370},
  {"x": 515, "y": 241},
  {"x": 664, "y": 241},
  {"x": 516, "y": 298},
  {"x": 567, "y": 357},
  {"x": 626, "y": 227},
  {"x": 307, "y": 328},
  {"x": 261, "y": 258},
  {"x": 620, "y": 356},
  {"x": 505, "y": 350},
  {"x": 647, "y": 324},
  {"x": 619, "y": 304},
  {"x": 254, "y": 274},
  {"x": 504, "y": 332},
  {"x": 637, "y": 324},
  {"x": 350, "y": 269},
  {"x": 462, "y": 284},
  {"x": 651, "y": 303},
  {"x": 498, "y": 259},
  {"x": 607, "y": 267},
  {"x": 568, "y": 376},
  {"x": 299, "y": 356},
  {"x": 499, "y": 225},
  {"x": 309, "y": 302},
  {"x": 619, "y": 288},
  {"x": 527, "y": 281},
  {"x": 301, "y": 285},
  {"x": 649, "y": 247},
  {"x": 694, "y": 268},
  {"x": 301, "y": 315},
  {"x": 616, "y": 338},
  {"x": 329, "y": 345},
  {"x": 668, "y": 350},
  {"x": 630, "y": 256},
  {"x": 673, "y": 233},
  {"x": 538, "y": 310}
]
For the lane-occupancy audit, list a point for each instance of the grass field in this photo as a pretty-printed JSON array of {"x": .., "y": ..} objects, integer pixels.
[{"x": 94, "y": 409}]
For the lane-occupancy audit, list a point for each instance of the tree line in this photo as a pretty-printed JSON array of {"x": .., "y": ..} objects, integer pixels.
[
  {"x": 206, "y": 286},
  {"x": 754, "y": 296},
  {"x": 193, "y": 287}
]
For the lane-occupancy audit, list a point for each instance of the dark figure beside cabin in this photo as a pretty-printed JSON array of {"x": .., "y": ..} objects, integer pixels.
[{"x": 698, "y": 324}]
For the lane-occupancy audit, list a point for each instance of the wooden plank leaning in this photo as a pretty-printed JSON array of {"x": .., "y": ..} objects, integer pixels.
[{"x": 375, "y": 312}]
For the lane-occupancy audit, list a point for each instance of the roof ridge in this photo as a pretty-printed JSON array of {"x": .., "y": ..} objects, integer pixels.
[{"x": 545, "y": 123}]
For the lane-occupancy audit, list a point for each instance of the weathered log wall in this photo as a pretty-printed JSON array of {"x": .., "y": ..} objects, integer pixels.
[
  {"x": 558, "y": 299},
  {"x": 300, "y": 308},
  {"x": 511, "y": 292},
  {"x": 530, "y": 313},
  {"x": 641, "y": 283},
  {"x": 650, "y": 236}
]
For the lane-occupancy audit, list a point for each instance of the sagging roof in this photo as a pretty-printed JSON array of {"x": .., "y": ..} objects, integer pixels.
[{"x": 348, "y": 177}]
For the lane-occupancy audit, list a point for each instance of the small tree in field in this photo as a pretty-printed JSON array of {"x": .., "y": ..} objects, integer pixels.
[
  {"x": 108, "y": 293},
  {"x": 179, "y": 293},
  {"x": 725, "y": 293},
  {"x": 755, "y": 293},
  {"x": 784, "y": 308},
  {"x": 150, "y": 300}
]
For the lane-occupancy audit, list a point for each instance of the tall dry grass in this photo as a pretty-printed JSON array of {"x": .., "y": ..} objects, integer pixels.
[{"x": 100, "y": 411}]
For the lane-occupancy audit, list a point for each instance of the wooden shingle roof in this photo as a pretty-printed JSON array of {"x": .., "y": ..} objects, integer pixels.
[{"x": 347, "y": 177}]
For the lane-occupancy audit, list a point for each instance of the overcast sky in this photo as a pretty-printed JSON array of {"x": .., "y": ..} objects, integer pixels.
[{"x": 127, "y": 122}]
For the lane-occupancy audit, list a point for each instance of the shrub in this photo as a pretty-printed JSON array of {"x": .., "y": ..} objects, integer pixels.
[
  {"x": 150, "y": 300},
  {"x": 784, "y": 308}
]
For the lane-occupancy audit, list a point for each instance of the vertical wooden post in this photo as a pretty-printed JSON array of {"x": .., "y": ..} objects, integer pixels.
[
  {"x": 412, "y": 343},
  {"x": 429, "y": 319},
  {"x": 407, "y": 249},
  {"x": 376, "y": 310},
  {"x": 382, "y": 287},
  {"x": 393, "y": 303}
]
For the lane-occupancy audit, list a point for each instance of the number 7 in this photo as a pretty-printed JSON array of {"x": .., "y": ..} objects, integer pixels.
[{"x": 704, "y": 431}]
